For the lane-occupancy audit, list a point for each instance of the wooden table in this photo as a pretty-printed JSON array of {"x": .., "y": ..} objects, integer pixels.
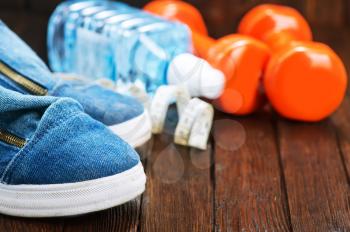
[{"x": 260, "y": 173}]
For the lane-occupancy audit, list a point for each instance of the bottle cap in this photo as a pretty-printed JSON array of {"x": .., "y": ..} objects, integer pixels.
[{"x": 200, "y": 78}]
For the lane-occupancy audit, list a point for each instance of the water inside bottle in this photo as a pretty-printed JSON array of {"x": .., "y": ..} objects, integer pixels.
[{"x": 102, "y": 39}]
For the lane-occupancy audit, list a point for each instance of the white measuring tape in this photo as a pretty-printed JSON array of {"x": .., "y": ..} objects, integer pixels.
[
  {"x": 195, "y": 115},
  {"x": 195, "y": 124},
  {"x": 163, "y": 98}
]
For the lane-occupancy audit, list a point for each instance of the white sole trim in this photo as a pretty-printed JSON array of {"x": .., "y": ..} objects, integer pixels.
[
  {"x": 74, "y": 198},
  {"x": 136, "y": 131}
]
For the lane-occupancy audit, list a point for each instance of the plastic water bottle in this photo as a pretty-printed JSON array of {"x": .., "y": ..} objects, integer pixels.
[{"x": 106, "y": 39}]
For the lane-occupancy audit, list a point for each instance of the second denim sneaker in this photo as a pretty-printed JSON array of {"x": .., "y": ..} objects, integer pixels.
[
  {"x": 23, "y": 71},
  {"x": 55, "y": 160}
]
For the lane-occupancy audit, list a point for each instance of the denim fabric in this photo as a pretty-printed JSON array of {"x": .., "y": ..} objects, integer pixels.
[
  {"x": 17, "y": 54},
  {"x": 105, "y": 105},
  {"x": 64, "y": 145},
  {"x": 100, "y": 103}
]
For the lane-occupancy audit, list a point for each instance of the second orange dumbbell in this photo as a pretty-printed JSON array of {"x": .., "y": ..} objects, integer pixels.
[{"x": 304, "y": 80}]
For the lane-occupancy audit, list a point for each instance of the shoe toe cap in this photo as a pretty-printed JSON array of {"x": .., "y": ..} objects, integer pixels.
[{"x": 75, "y": 150}]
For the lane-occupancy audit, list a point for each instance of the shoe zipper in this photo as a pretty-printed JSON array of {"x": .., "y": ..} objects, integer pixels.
[
  {"x": 11, "y": 139},
  {"x": 21, "y": 80}
]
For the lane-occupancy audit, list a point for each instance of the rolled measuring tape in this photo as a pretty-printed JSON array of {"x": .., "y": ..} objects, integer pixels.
[
  {"x": 159, "y": 106},
  {"x": 195, "y": 115},
  {"x": 195, "y": 124},
  {"x": 163, "y": 98}
]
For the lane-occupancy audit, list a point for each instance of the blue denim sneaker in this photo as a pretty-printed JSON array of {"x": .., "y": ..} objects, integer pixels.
[
  {"x": 55, "y": 160},
  {"x": 23, "y": 71}
]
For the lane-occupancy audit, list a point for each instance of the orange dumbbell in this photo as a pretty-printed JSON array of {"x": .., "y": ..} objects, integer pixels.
[
  {"x": 187, "y": 14},
  {"x": 304, "y": 80},
  {"x": 241, "y": 58},
  {"x": 275, "y": 25}
]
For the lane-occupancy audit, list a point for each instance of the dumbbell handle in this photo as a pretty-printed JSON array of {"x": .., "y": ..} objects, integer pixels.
[{"x": 202, "y": 44}]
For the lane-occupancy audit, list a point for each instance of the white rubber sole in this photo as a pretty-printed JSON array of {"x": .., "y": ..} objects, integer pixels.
[
  {"x": 72, "y": 199},
  {"x": 136, "y": 131}
]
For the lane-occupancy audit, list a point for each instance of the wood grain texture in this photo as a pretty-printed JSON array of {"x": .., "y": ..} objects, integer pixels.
[
  {"x": 178, "y": 195},
  {"x": 316, "y": 182},
  {"x": 121, "y": 218},
  {"x": 249, "y": 190},
  {"x": 331, "y": 13},
  {"x": 341, "y": 121},
  {"x": 16, "y": 224}
]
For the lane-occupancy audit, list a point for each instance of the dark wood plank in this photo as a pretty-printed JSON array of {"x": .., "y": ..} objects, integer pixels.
[
  {"x": 16, "y": 224},
  {"x": 179, "y": 194},
  {"x": 317, "y": 187},
  {"x": 121, "y": 218},
  {"x": 329, "y": 13},
  {"x": 249, "y": 188},
  {"x": 341, "y": 121}
]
